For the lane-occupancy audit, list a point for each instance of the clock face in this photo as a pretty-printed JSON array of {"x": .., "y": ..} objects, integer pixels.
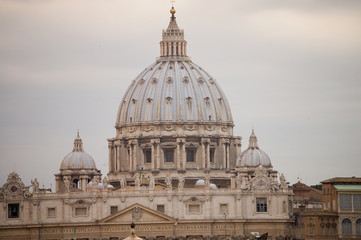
[
  {"x": 261, "y": 183},
  {"x": 13, "y": 189}
]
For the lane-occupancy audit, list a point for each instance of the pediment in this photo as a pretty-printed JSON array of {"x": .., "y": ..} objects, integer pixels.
[{"x": 137, "y": 213}]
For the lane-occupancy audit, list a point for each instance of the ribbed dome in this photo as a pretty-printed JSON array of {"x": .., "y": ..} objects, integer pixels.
[
  {"x": 173, "y": 88},
  {"x": 253, "y": 156},
  {"x": 78, "y": 159}
]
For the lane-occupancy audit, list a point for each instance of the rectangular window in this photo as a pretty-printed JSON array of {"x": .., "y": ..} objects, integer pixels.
[
  {"x": 211, "y": 154},
  {"x": 191, "y": 155},
  {"x": 160, "y": 208},
  {"x": 169, "y": 155},
  {"x": 113, "y": 209},
  {"x": 51, "y": 213},
  {"x": 80, "y": 211},
  {"x": 13, "y": 210},
  {"x": 223, "y": 208},
  {"x": 345, "y": 202},
  {"x": 148, "y": 155},
  {"x": 194, "y": 208},
  {"x": 357, "y": 202},
  {"x": 261, "y": 205}
]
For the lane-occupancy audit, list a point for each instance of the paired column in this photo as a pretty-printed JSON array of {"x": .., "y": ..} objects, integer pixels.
[
  {"x": 205, "y": 153},
  {"x": 155, "y": 153},
  {"x": 225, "y": 143},
  {"x": 181, "y": 159},
  {"x": 110, "y": 148}
]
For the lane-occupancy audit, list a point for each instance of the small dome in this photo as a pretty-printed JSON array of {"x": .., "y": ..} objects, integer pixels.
[
  {"x": 200, "y": 182},
  {"x": 213, "y": 186},
  {"x": 78, "y": 159},
  {"x": 253, "y": 156}
]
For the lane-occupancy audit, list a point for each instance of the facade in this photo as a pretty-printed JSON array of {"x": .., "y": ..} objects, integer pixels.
[
  {"x": 175, "y": 169},
  {"x": 343, "y": 197},
  {"x": 338, "y": 216}
]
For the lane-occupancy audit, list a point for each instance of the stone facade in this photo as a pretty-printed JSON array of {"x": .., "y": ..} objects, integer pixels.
[{"x": 175, "y": 169}]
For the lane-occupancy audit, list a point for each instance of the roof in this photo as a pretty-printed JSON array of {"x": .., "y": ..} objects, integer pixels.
[
  {"x": 300, "y": 187},
  {"x": 348, "y": 187},
  {"x": 343, "y": 180}
]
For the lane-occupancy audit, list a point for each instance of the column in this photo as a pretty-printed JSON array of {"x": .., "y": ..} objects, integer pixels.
[
  {"x": 180, "y": 153},
  {"x": 117, "y": 158},
  {"x": 83, "y": 183},
  {"x": 203, "y": 149},
  {"x": 130, "y": 145},
  {"x": 57, "y": 183},
  {"x": 110, "y": 147},
  {"x": 205, "y": 153},
  {"x": 207, "y": 156},
  {"x": 155, "y": 153},
  {"x": 152, "y": 164}
]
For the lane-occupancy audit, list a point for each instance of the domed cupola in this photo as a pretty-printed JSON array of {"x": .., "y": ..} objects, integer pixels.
[
  {"x": 173, "y": 117},
  {"x": 76, "y": 170},
  {"x": 78, "y": 159},
  {"x": 253, "y": 156},
  {"x": 174, "y": 89}
]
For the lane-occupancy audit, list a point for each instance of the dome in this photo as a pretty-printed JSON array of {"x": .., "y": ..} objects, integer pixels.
[
  {"x": 78, "y": 159},
  {"x": 173, "y": 89},
  {"x": 253, "y": 156}
]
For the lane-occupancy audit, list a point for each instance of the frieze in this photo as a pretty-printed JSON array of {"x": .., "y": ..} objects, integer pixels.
[
  {"x": 190, "y": 127},
  {"x": 147, "y": 128},
  {"x": 168, "y": 128}
]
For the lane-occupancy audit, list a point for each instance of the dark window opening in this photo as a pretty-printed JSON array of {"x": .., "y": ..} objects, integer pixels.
[
  {"x": 191, "y": 154},
  {"x": 261, "y": 205},
  {"x": 113, "y": 209},
  {"x": 169, "y": 155},
  {"x": 160, "y": 208},
  {"x": 148, "y": 155},
  {"x": 13, "y": 210},
  {"x": 211, "y": 154}
]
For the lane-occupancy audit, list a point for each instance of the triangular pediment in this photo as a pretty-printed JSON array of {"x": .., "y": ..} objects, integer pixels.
[{"x": 137, "y": 213}]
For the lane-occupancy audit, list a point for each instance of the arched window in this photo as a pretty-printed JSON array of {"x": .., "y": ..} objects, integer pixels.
[
  {"x": 346, "y": 227},
  {"x": 358, "y": 226}
]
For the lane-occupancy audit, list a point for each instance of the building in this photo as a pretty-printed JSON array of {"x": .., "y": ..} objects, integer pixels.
[
  {"x": 175, "y": 169},
  {"x": 342, "y": 195},
  {"x": 338, "y": 216},
  {"x": 310, "y": 220}
]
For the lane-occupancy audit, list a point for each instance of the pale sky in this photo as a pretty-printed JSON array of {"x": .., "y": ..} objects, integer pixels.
[{"x": 291, "y": 69}]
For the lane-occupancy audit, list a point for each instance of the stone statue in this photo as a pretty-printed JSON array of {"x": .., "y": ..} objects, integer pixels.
[
  {"x": 274, "y": 185},
  {"x": 207, "y": 181},
  {"x": 244, "y": 183},
  {"x": 35, "y": 184},
  {"x": 180, "y": 182},
  {"x": 168, "y": 182},
  {"x": 283, "y": 181},
  {"x": 105, "y": 183},
  {"x": 151, "y": 182},
  {"x": 95, "y": 182},
  {"x": 122, "y": 183},
  {"x": 66, "y": 184},
  {"x": 137, "y": 181},
  {"x": 239, "y": 180}
]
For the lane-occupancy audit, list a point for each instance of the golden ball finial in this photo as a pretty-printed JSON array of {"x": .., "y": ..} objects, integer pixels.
[{"x": 172, "y": 11}]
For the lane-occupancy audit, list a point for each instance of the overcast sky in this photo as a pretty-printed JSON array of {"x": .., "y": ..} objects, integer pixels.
[{"x": 291, "y": 69}]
